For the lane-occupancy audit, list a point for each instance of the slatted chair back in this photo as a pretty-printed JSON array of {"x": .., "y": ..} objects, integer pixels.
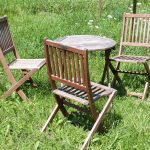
[
  {"x": 67, "y": 65},
  {"x": 6, "y": 42},
  {"x": 136, "y": 31}
]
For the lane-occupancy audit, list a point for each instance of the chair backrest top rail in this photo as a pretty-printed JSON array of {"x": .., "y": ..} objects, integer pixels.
[
  {"x": 64, "y": 47},
  {"x": 146, "y": 45},
  {"x": 137, "y": 15}
]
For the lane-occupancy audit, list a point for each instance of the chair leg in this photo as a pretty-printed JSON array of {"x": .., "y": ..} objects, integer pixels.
[
  {"x": 30, "y": 80},
  {"x": 18, "y": 84},
  {"x": 55, "y": 110},
  {"x": 141, "y": 95},
  {"x": 50, "y": 118},
  {"x": 95, "y": 116},
  {"x": 22, "y": 94},
  {"x": 114, "y": 81},
  {"x": 32, "y": 83},
  {"x": 61, "y": 105},
  {"x": 98, "y": 121},
  {"x": 106, "y": 68},
  {"x": 145, "y": 91},
  {"x": 93, "y": 111},
  {"x": 115, "y": 73},
  {"x": 104, "y": 73},
  {"x": 10, "y": 76},
  {"x": 147, "y": 83}
]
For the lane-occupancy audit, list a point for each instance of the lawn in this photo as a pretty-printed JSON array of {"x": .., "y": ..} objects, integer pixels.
[{"x": 128, "y": 124}]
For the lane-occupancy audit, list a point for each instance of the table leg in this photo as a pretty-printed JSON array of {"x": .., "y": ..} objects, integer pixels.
[
  {"x": 106, "y": 68},
  {"x": 108, "y": 76},
  {"x": 104, "y": 73}
]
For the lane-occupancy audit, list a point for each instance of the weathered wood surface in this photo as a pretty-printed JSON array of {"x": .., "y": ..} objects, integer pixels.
[
  {"x": 27, "y": 66},
  {"x": 88, "y": 42},
  {"x": 135, "y": 33},
  {"x": 131, "y": 59},
  {"x": 77, "y": 87},
  {"x": 82, "y": 96}
]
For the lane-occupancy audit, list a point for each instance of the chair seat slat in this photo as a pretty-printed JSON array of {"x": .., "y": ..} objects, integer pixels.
[
  {"x": 70, "y": 96},
  {"x": 80, "y": 95},
  {"x": 132, "y": 72},
  {"x": 132, "y": 59},
  {"x": 28, "y": 64}
]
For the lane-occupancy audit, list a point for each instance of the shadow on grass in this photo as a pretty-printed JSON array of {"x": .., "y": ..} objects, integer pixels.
[
  {"x": 121, "y": 90},
  {"x": 130, "y": 82},
  {"x": 111, "y": 120}
]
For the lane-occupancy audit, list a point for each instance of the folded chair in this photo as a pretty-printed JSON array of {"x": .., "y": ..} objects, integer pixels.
[
  {"x": 69, "y": 67},
  {"x": 27, "y": 66},
  {"x": 136, "y": 33}
]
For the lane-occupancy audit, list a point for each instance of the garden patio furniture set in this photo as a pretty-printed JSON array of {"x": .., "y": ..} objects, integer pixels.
[{"x": 67, "y": 63}]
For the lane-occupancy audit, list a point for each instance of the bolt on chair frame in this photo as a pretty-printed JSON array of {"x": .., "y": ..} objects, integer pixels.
[{"x": 69, "y": 66}]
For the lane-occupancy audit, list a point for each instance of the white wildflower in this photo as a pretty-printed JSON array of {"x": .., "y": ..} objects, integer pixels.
[
  {"x": 109, "y": 16},
  {"x": 115, "y": 18},
  {"x": 97, "y": 27},
  {"x": 130, "y": 8},
  {"x": 89, "y": 23},
  {"x": 91, "y": 20},
  {"x": 139, "y": 4}
]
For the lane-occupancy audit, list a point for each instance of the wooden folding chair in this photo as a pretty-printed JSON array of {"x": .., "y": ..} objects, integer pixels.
[
  {"x": 27, "y": 66},
  {"x": 69, "y": 66},
  {"x": 136, "y": 33}
]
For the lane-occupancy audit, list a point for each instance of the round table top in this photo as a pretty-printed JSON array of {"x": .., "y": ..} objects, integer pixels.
[{"x": 88, "y": 42}]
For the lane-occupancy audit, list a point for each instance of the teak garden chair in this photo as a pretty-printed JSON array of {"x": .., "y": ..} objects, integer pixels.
[
  {"x": 136, "y": 33},
  {"x": 69, "y": 67},
  {"x": 27, "y": 66}
]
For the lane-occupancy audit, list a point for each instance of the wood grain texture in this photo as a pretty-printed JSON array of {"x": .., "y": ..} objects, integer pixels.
[{"x": 88, "y": 42}]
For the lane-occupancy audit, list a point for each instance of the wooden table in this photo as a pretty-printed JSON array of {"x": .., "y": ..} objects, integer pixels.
[{"x": 91, "y": 43}]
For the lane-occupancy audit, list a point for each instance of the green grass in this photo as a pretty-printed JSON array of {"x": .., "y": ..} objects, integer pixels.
[{"x": 20, "y": 122}]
